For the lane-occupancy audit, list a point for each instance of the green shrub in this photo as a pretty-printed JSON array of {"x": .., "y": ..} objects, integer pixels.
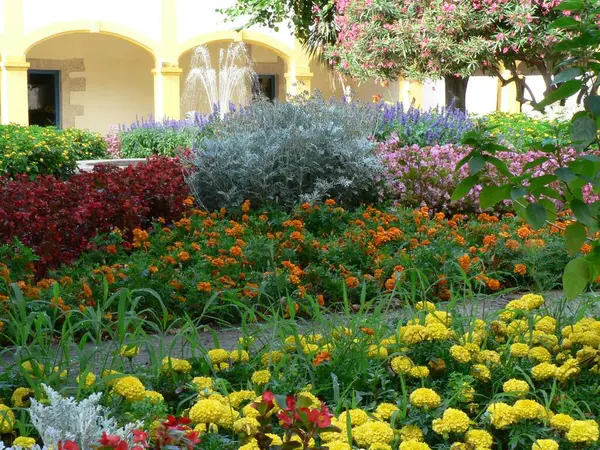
[
  {"x": 286, "y": 153},
  {"x": 520, "y": 131},
  {"x": 38, "y": 150}
]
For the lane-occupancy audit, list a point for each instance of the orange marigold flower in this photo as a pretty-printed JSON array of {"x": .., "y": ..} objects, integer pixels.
[
  {"x": 195, "y": 247},
  {"x": 520, "y": 269},
  {"x": 535, "y": 243},
  {"x": 494, "y": 285},
  {"x": 245, "y": 218},
  {"x": 183, "y": 256},
  {"x": 585, "y": 248},
  {"x": 465, "y": 262},
  {"x": 524, "y": 232},
  {"x": 235, "y": 250},
  {"x": 66, "y": 281},
  {"x": 489, "y": 240},
  {"x": 460, "y": 240},
  {"x": 367, "y": 330},
  {"x": 87, "y": 291},
  {"x": 112, "y": 249},
  {"x": 189, "y": 201},
  {"x": 321, "y": 300},
  {"x": 251, "y": 290},
  {"x": 330, "y": 202},
  {"x": 263, "y": 217},
  {"x": 352, "y": 282},
  {"x": 203, "y": 286},
  {"x": 246, "y": 206},
  {"x": 320, "y": 358},
  {"x": 175, "y": 284},
  {"x": 297, "y": 236},
  {"x": 512, "y": 244}
]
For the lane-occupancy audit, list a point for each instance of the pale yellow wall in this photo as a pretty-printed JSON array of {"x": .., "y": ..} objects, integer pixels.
[{"x": 118, "y": 78}]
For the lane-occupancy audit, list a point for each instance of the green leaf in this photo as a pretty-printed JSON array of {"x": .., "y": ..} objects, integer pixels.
[
  {"x": 500, "y": 165},
  {"x": 476, "y": 164},
  {"x": 575, "y": 236},
  {"x": 464, "y": 187},
  {"x": 582, "y": 212},
  {"x": 543, "y": 180},
  {"x": 536, "y": 215},
  {"x": 576, "y": 277},
  {"x": 490, "y": 195},
  {"x": 570, "y": 5},
  {"x": 592, "y": 104},
  {"x": 565, "y": 90},
  {"x": 584, "y": 131},
  {"x": 565, "y": 174},
  {"x": 534, "y": 163},
  {"x": 517, "y": 192},
  {"x": 567, "y": 75},
  {"x": 565, "y": 22}
]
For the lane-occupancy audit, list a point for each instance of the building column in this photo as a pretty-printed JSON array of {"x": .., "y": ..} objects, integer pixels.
[
  {"x": 410, "y": 92},
  {"x": 298, "y": 81},
  {"x": 167, "y": 98},
  {"x": 506, "y": 96},
  {"x": 14, "y": 91}
]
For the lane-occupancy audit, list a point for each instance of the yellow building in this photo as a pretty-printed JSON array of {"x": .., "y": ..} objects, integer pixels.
[{"x": 92, "y": 64}]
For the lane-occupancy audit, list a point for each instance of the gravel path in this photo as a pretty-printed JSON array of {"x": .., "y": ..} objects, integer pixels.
[{"x": 186, "y": 345}]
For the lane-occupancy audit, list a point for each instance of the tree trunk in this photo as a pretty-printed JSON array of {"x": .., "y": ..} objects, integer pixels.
[{"x": 456, "y": 91}]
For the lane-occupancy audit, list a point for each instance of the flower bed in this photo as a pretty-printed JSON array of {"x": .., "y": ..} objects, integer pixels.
[
  {"x": 318, "y": 253},
  {"x": 522, "y": 378},
  {"x": 46, "y": 151},
  {"x": 417, "y": 176},
  {"x": 58, "y": 219}
]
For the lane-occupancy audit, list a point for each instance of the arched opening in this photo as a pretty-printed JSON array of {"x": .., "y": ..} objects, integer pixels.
[
  {"x": 97, "y": 80},
  {"x": 269, "y": 67}
]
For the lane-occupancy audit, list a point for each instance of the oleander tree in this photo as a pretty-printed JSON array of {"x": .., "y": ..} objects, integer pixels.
[
  {"x": 450, "y": 39},
  {"x": 558, "y": 199}
]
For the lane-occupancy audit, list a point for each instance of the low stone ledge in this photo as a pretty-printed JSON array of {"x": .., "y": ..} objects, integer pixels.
[{"x": 88, "y": 165}]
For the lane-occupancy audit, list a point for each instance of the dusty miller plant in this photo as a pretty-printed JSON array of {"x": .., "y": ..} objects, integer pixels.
[
  {"x": 65, "y": 419},
  {"x": 308, "y": 149}
]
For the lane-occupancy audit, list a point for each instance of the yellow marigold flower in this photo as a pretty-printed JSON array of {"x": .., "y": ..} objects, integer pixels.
[
  {"x": 528, "y": 410},
  {"x": 490, "y": 357},
  {"x": 385, "y": 410},
  {"x": 540, "y": 354},
  {"x": 481, "y": 372},
  {"x": 20, "y": 397},
  {"x": 315, "y": 402},
  {"x": 378, "y": 446},
  {"x": 261, "y": 377},
  {"x": 546, "y": 324},
  {"x": 414, "y": 445},
  {"x": 129, "y": 351},
  {"x": 401, "y": 364},
  {"x": 236, "y": 398},
  {"x": 411, "y": 433},
  {"x": 479, "y": 439},
  {"x": 129, "y": 387},
  {"x": 466, "y": 393},
  {"x": 561, "y": 422},
  {"x": 155, "y": 397},
  {"x": 108, "y": 373},
  {"x": 543, "y": 371},
  {"x": 220, "y": 367},
  {"x": 377, "y": 352},
  {"x": 370, "y": 433},
  {"x": 519, "y": 350},
  {"x": 177, "y": 365},
  {"x": 338, "y": 445},
  {"x": 569, "y": 369},
  {"x": 501, "y": 415},
  {"x": 90, "y": 379},
  {"x": 460, "y": 354},
  {"x": 246, "y": 425},
  {"x": 532, "y": 301},
  {"x": 228, "y": 418},
  {"x": 252, "y": 444},
  {"x": 424, "y": 305},
  {"x": 582, "y": 431},
  {"x": 513, "y": 385},
  {"x": 207, "y": 411},
  {"x": 218, "y": 355},
  {"x": 419, "y": 372},
  {"x": 545, "y": 444},
  {"x": 273, "y": 357},
  {"x": 357, "y": 417},
  {"x": 425, "y": 398},
  {"x": 443, "y": 317},
  {"x": 7, "y": 419},
  {"x": 413, "y": 334},
  {"x": 332, "y": 436},
  {"x": 24, "y": 442},
  {"x": 240, "y": 356},
  {"x": 201, "y": 383},
  {"x": 452, "y": 421},
  {"x": 203, "y": 428}
]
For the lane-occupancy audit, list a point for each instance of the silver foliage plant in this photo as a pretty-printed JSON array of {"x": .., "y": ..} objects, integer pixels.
[
  {"x": 84, "y": 422},
  {"x": 307, "y": 149}
]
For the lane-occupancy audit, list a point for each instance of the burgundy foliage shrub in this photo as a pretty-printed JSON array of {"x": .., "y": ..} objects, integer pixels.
[{"x": 58, "y": 218}]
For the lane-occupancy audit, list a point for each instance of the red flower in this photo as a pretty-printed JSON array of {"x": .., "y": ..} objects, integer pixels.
[
  {"x": 68, "y": 445},
  {"x": 286, "y": 419},
  {"x": 268, "y": 397},
  {"x": 109, "y": 440},
  {"x": 290, "y": 402},
  {"x": 140, "y": 436}
]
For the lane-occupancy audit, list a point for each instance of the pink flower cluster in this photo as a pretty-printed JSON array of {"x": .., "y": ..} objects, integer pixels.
[{"x": 416, "y": 176}]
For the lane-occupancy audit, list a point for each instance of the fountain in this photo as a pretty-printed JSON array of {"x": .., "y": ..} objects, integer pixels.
[{"x": 230, "y": 82}]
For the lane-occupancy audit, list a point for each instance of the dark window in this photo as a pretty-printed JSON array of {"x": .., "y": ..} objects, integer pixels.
[
  {"x": 264, "y": 85},
  {"x": 44, "y": 97}
]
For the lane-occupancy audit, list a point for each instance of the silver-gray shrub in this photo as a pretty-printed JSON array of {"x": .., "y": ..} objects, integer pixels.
[
  {"x": 65, "y": 419},
  {"x": 286, "y": 153}
]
